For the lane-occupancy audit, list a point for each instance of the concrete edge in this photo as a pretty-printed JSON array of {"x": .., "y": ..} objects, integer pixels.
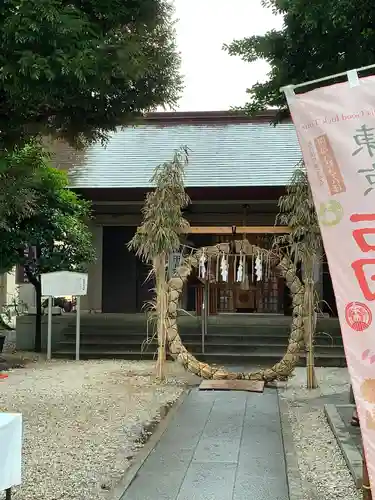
[
  {"x": 167, "y": 413},
  {"x": 292, "y": 468},
  {"x": 350, "y": 452}
]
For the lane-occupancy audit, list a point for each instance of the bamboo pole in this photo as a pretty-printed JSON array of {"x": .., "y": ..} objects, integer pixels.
[
  {"x": 309, "y": 324},
  {"x": 161, "y": 311}
]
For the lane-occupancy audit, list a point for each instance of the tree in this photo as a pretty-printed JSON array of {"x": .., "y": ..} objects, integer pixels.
[
  {"x": 318, "y": 38},
  {"x": 304, "y": 245},
  {"x": 159, "y": 235},
  {"x": 78, "y": 69},
  {"x": 53, "y": 234}
]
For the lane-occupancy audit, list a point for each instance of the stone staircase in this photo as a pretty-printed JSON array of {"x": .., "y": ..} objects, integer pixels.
[{"x": 250, "y": 340}]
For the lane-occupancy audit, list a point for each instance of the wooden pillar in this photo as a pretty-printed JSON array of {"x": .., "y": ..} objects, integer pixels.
[{"x": 199, "y": 293}]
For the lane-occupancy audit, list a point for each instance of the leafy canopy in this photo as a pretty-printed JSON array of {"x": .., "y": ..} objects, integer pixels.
[
  {"x": 55, "y": 223},
  {"x": 318, "y": 38},
  {"x": 163, "y": 221},
  {"x": 79, "y": 68}
]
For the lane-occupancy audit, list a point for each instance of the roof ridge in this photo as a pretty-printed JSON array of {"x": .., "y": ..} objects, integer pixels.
[{"x": 231, "y": 116}]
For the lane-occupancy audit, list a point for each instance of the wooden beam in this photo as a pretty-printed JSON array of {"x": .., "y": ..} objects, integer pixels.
[{"x": 239, "y": 230}]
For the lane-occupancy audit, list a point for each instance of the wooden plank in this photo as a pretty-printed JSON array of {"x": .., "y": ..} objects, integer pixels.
[
  {"x": 239, "y": 230},
  {"x": 232, "y": 385},
  {"x": 262, "y": 229}
]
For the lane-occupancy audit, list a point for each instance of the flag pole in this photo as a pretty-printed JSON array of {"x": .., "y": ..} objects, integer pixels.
[{"x": 324, "y": 79}]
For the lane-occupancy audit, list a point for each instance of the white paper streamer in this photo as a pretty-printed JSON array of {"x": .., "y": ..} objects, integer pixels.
[
  {"x": 259, "y": 268},
  {"x": 224, "y": 268},
  {"x": 202, "y": 265}
]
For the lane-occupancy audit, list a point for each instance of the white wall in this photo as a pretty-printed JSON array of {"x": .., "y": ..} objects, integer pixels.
[{"x": 8, "y": 288}]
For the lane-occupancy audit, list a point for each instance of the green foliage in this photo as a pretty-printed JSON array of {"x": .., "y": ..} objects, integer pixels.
[
  {"x": 163, "y": 222},
  {"x": 19, "y": 183},
  {"x": 55, "y": 223},
  {"x": 297, "y": 210},
  {"x": 319, "y": 38},
  {"x": 80, "y": 68}
]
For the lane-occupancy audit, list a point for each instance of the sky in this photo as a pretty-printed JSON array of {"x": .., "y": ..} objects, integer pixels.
[{"x": 213, "y": 79}]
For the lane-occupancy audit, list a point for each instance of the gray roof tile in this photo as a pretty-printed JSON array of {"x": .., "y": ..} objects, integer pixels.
[{"x": 229, "y": 154}]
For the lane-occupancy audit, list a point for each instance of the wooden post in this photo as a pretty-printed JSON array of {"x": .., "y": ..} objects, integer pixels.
[
  {"x": 310, "y": 361},
  {"x": 161, "y": 309},
  {"x": 366, "y": 488},
  {"x": 309, "y": 323}
]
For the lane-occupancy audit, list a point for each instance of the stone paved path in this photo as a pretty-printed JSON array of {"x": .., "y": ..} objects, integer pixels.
[{"x": 219, "y": 446}]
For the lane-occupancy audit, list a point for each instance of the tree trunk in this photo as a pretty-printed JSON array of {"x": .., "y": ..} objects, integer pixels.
[
  {"x": 35, "y": 281},
  {"x": 161, "y": 311},
  {"x": 38, "y": 317}
]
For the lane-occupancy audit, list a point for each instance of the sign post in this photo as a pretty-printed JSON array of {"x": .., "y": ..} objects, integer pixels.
[
  {"x": 49, "y": 329},
  {"x": 78, "y": 326},
  {"x": 61, "y": 284}
]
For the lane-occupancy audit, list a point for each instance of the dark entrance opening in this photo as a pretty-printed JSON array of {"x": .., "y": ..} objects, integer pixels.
[{"x": 124, "y": 286}]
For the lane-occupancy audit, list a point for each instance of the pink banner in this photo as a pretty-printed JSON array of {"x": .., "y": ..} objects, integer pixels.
[{"x": 336, "y": 129}]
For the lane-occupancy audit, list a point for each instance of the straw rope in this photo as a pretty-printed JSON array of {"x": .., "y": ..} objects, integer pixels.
[{"x": 280, "y": 370}]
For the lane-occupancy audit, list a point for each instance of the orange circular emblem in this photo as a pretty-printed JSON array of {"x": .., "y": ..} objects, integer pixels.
[{"x": 358, "y": 316}]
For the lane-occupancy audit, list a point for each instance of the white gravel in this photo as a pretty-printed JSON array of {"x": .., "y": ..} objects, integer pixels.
[
  {"x": 324, "y": 472},
  {"x": 81, "y": 423}
]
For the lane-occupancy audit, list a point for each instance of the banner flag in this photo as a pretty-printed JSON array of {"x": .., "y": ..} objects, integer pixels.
[{"x": 336, "y": 129}]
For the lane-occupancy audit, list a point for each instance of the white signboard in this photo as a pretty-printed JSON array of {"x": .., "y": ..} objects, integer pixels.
[
  {"x": 63, "y": 283},
  {"x": 10, "y": 450}
]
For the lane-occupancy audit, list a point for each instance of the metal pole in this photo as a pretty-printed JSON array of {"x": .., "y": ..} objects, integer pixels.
[
  {"x": 208, "y": 301},
  {"x": 203, "y": 318},
  {"x": 324, "y": 79},
  {"x": 206, "y": 311},
  {"x": 78, "y": 326},
  {"x": 49, "y": 329}
]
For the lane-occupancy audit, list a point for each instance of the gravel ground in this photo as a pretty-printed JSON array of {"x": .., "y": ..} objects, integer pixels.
[
  {"x": 324, "y": 472},
  {"x": 82, "y": 422}
]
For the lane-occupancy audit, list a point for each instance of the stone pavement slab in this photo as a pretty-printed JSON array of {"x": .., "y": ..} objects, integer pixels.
[
  {"x": 219, "y": 446},
  {"x": 348, "y": 438}
]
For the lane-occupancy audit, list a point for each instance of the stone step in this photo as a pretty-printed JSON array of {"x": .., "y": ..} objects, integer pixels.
[
  {"x": 221, "y": 321},
  {"x": 236, "y": 341},
  {"x": 218, "y": 330},
  {"x": 237, "y": 358},
  {"x": 251, "y": 338},
  {"x": 196, "y": 347}
]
